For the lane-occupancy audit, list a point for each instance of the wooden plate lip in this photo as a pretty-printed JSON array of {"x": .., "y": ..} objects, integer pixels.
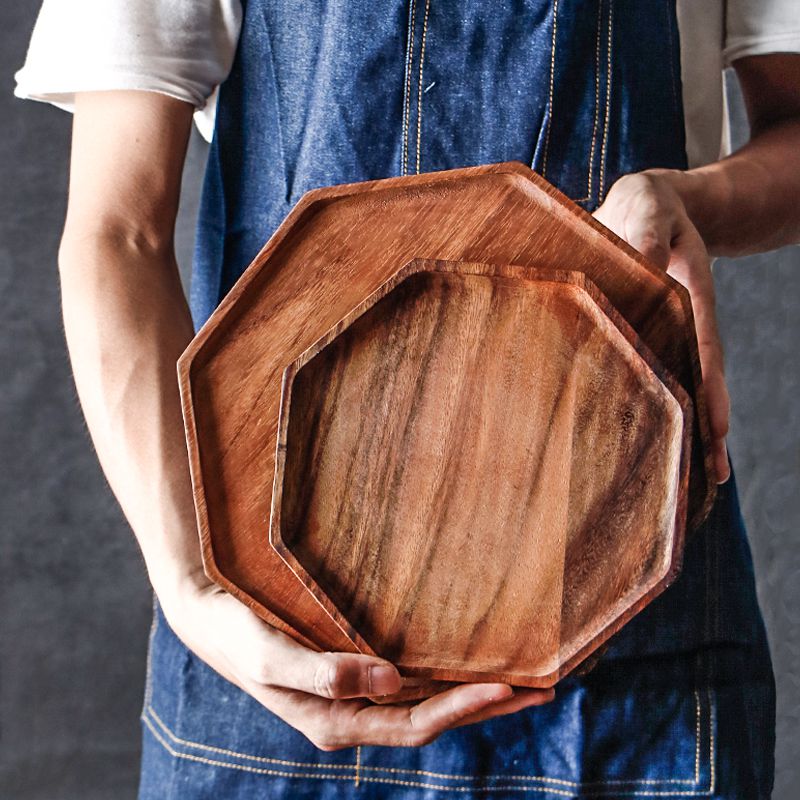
[
  {"x": 197, "y": 353},
  {"x": 656, "y": 372},
  {"x": 210, "y": 567}
]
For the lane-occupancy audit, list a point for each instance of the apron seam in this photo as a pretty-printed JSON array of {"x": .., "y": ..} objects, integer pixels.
[
  {"x": 550, "y": 89},
  {"x": 609, "y": 70},
  {"x": 407, "y": 88},
  {"x": 412, "y": 784},
  {"x": 361, "y": 771},
  {"x": 590, "y": 178},
  {"x": 419, "y": 85}
]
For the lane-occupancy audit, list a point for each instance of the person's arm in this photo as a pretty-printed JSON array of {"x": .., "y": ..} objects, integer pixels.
[
  {"x": 125, "y": 316},
  {"x": 126, "y": 323},
  {"x": 745, "y": 203},
  {"x": 748, "y": 202}
]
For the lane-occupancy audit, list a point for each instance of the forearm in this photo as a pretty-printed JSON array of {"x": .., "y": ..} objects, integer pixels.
[
  {"x": 126, "y": 323},
  {"x": 750, "y": 201}
]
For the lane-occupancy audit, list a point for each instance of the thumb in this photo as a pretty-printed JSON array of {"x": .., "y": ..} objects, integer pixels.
[{"x": 335, "y": 676}]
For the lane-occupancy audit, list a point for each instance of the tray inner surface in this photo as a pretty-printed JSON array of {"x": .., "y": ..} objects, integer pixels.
[{"x": 475, "y": 473}]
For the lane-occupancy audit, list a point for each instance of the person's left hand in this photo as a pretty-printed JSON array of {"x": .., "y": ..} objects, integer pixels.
[{"x": 647, "y": 211}]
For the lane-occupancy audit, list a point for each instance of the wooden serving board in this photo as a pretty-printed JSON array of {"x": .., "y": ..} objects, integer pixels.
[
  {"x": 337, "y": 247},
  {"x": 479, "y": 473}
]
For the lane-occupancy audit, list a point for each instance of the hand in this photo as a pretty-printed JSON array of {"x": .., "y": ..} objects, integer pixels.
[
  {"x": 323, "y": 695},
  {"x": 647, "y": 211}
]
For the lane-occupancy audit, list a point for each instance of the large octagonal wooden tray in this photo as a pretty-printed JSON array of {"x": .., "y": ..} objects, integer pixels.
[
  {"x": 336, "y": 248},
  {"x": 479, "y": 472}
]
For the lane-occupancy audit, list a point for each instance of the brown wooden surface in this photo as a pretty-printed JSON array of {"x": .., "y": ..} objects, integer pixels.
[
  {"x": 336, "y": 248},
  {"x": 477, "y": 473}
]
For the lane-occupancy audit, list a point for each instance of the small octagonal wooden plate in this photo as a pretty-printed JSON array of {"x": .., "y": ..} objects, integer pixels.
[
  {"x": 479, "y": 472},
  {"x": 335, "y": 249}
]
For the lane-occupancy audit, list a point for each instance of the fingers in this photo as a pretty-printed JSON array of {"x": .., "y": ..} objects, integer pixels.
[
  {"x": 718, "y": 402},
  {"x": 690, "y": 265},
  {"x": 446, "y": 710},
  {"x": 333, "y": 676},
  {"x": 323, "y": 694},
  {"x": 722, "y": 468},
  {"x": 718, "y": 405},
  {"x": 522, "y": 698},
  {"x": 716, "y": 391},
  {"x": 332, "y": 725},
  {"x": 672, "y": 242}
]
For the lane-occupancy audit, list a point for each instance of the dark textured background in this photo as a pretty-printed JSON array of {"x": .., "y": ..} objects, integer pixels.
[{"x": 74, "y": 599}]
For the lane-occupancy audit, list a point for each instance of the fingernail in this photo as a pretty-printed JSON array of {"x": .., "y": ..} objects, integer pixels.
[{"x": 383, "y": 679}]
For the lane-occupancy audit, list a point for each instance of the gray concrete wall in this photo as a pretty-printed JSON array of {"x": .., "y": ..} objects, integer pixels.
[{"x": 75, "y": 602}]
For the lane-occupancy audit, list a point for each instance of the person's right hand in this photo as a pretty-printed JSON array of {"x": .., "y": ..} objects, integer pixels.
[{"x": 324, "y": 695}]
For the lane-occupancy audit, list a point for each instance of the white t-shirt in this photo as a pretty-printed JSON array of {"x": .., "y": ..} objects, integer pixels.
[{"x": 185, "y": 48}]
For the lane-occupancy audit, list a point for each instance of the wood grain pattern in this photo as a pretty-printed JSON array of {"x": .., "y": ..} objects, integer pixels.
[
  {"x": 477, "y": 473},
  {"x": 337, "y": 247}
]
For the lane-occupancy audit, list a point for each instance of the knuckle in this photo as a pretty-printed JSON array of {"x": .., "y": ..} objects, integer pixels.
[
  {"x": 323, "y": 739},
  {"x": 325, "y": 676},
  {"x": 261, "y": 670},
  {"x": 330, "y": 677},
  {"x": 626, "y": 182},
  {"x": 422, "y": 738},
  {"x": 421, "y": 734},
  {"x": 325, "y": 746}
]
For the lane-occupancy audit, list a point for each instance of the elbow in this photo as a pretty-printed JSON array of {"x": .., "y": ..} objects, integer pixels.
[{"x": 105, "y": 240}]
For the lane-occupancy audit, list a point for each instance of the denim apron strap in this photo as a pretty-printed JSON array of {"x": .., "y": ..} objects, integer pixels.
[{"x": 323, "y": 93}]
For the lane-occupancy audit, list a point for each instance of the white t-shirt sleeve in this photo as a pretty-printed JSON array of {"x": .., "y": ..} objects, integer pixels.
[
  {"x": 758, "y": 27},
  {"x": 181, "y": 48},
  {"x": 713, "y": 34}
]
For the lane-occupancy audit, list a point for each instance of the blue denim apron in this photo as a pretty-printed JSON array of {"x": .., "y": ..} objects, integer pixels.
[{"x": 682, "y": 703}]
